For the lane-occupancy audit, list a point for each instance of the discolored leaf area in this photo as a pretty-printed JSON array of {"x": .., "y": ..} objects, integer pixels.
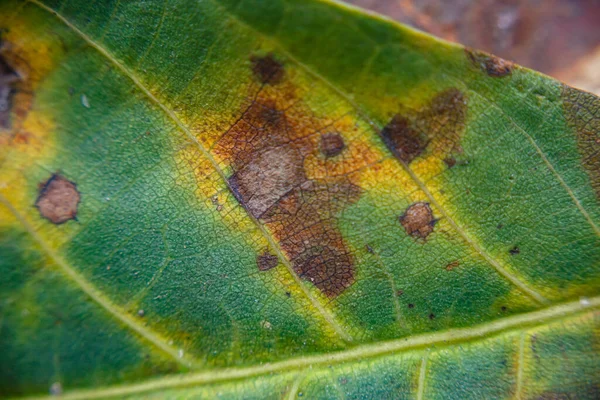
[{"x": 288, "y": 198}]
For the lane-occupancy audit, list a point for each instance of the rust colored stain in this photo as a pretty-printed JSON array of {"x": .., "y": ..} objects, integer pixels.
[
  {"x": 439, "y": 125},
  {"x": 490, "y": 64},
  {"x": 418, "y": 220},
  {"x": 452, "y": 265},
  {"x": 58, "y": 200},
  {"x": 266, "y": 149}
]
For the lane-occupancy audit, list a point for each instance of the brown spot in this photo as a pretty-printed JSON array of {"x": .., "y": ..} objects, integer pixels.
[
  {"x": 582, "y": 112},
  {"x": 411, "y": 305},
  {"x": 266, "y": 261},
  {"x": 437, "y": 127},
  {"x": 267, "y": 69},
  {"x": 332, "y": 144},
  {"x": 514, "y": 251},
  {"x": 418, "y": 220},
  {"x": 267, "y": 147},
  {"x": 399, "y": 292},
  {"x": 450, "y": 161},
  {"x": 58, "y": 200},
  {"x": 503, "y": 308},
  {"x": 452, "y": 265},
  {"x": 404, "y": 142},
  {"x": 490, "y": 64},
  {"x": 432, "y": 316},
  {"x": 8, "y": 80},
  {"x": 369, "y": 249}
]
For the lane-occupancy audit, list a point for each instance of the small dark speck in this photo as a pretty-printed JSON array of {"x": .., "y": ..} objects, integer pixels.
[
  {"x": 399, "y": 292},
  {"x": 504, "y": 308},
  {"x": 514, "y": 251},
  {"x": 431, "y": 316},
  {"x": 411, "y": 305},
  {"x": 288, "y": 294},
  {"x": 500, "y": 226}
]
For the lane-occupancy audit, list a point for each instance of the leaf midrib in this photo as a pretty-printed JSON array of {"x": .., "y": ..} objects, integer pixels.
[{"x": 438, "y": 340}]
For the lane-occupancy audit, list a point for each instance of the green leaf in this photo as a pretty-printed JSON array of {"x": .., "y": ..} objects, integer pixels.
[{"x": 286, "y": 198}]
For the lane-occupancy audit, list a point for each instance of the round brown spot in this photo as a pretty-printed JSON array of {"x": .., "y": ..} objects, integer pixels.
[
  {"x": 332, "y": 144},
  {"x": 418, "y": 220},
  {"x": 58, "y": 200},
  {"x": 267, "y": 69},
  {"x": 266, "y": 261}
]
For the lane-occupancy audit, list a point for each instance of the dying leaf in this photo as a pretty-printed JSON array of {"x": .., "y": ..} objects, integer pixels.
[{"x": 285, "y": 198}]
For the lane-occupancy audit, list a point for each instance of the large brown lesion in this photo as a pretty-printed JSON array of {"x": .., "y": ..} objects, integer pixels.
[
  {"x": 266, "y": 149},
  {"x": 437, "y": 127},
  {"x": 582, "y": 112}
]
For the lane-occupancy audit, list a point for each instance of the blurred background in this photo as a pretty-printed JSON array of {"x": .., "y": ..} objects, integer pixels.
[{"x": 558, "y": 37}]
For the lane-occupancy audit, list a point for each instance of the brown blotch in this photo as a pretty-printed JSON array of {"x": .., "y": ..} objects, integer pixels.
[
  {"x": 436, "y": 127},
  {"x": 266, "y": 148},
  {"x": 332, "y": 144},
  {"x": 58, "y": 200},
  {"x": 8, "y": 80},
  {"x": 450, "y": 161},
  {"x": 490, "y": 64},
  {"x": 266, "y": 261},
  {"x": 582, "y": 112},
  {"x": 418, "y": 220},
  {"x": 452, "y": 265},
  {"x": 267, "y": 69}
]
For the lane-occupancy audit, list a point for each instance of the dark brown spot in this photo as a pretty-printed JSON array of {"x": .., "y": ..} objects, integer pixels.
[
  {"x": 490, "y": 64},
  {"x": 266, "y": 149},
  {"x": 452, "y": 265},
  {"x": 418, "y": 220},
  {"x": 266, "y": 261},
  {"x": 514, "y": 251},
  {"x": 411, "y": 305},
  {"x": 369, "y": 249},
  {"x": 8, "y": 80},
  {"x": 437, "y": 127},
  {"x": 582, "y": 112},
  {"x": 450, "y": 161},
  {"x": 332, "y": 144},
  {"x": 58, "y": 200},
  {"x": 404, "y": 142},
  {"x": 503, "y": 308},
  {"x": 431, "y": 316},
  {"x": 500, "y": 226},
  {"x": 399, "y": 292},
  {"x": 267, "y": 69},
  {"x": 288, "y": 294}
]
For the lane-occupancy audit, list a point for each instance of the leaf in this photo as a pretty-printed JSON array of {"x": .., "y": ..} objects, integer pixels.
[{"x": 288, "y": 198}]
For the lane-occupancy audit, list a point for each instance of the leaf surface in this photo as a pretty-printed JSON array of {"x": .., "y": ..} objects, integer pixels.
[{"x": 288, "y": 198}]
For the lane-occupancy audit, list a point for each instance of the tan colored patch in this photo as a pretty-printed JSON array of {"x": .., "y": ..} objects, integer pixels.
[
  {"x": 418, "y": 220},
  {"x": 58, "y": 200},
  {"x": 493, "y": 66}
]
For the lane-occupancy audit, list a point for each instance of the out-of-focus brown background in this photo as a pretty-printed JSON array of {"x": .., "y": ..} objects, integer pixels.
[{"x": 558, "y": 37}]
